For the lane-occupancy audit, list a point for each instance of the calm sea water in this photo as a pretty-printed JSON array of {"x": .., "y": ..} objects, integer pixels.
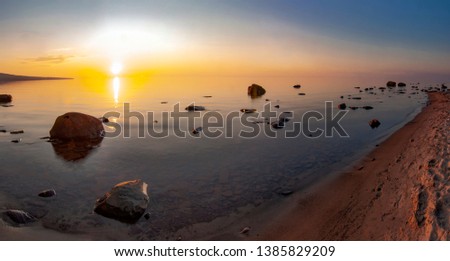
[{"x": 192, "y": 179}]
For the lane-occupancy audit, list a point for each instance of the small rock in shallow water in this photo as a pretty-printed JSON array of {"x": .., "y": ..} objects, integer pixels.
[
  {"x": 374, "y": 123},
  {"x": 47, "y": 193},
  {"x": 342, "y": 106},
  {"x": 286, "y": 192},
  {"x": 195, "y": 108},
  {"x": 16, "y": 140},
  {"x": 18, "y": 217},
  {"x": 16, "y": 132},
  {"x": 248, "y": 110},
  {"x": 197, "y": 130},
  {"x": 245, "y": 230}
]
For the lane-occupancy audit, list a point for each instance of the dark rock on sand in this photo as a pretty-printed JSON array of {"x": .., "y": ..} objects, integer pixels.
[
  {"x": 76, "y": 126},
  {"x": 126, "y": 202},
  {"x": 302, "y": 94},
  {"x": 391, "y": 84},
  {"x": 47, "y": 193},
  {"x": 367, "y": 107},
  {"x": 297, "y": 86},
  {"x": 374, "y": 123},
  {"x": 18, "y": 217},
  {"x": 195, "y": 108},
  {"x": 353, "y": 107},
  {"x": 255, "y": 90},
  {"x": 277, "y": 106},
  {"x": 356, "y": 98},
  {"x": 401, "y": 84},
  {"x": 16, "y": 140},
  {"x": 342, "y": 97},
  {"x": 342, "y": 106},
  {"x": 5, "y": 98}
]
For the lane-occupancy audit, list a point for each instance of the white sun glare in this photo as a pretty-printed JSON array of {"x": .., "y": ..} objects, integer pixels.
[{"x": 116, "y": 68}]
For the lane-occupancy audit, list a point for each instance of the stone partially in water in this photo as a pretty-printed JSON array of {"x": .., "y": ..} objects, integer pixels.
[
  {"x": 195, "y": 108},
  {"x": 374, "y": 123},
  {"x": 18, "y": 217},
  {"x": 47, "y": 193},
  {"x": 391, "y": 84},
  {"x": 255, "y": 90},
  {"x": 126, "y": 202},
  {"x": 5, "y": 98},
  {"x": 76, "y": 126}
]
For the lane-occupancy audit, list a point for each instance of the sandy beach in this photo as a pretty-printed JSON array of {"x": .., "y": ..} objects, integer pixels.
[{"x": 400, "y": 191}]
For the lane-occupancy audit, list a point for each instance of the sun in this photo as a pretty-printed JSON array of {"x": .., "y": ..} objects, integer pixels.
[{"x": 116, "y": 68}]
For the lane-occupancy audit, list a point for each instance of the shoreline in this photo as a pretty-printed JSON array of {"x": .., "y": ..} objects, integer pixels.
[{"x": 397, "y": 191}]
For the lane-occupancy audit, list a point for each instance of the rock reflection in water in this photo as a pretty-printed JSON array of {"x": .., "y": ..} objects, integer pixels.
[{"x": 75, "y": 150}]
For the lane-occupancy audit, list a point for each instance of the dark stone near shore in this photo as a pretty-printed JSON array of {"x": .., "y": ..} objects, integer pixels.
[
  {"x": 374, "y": 123},
  {"x": 401, "y": 84},
  {"x": 5, "y": 98},
  {"x": 353, "y": 107},
  {"x": 302, "y": 94},
  {"x": 367, "y": 107},
  {"x": 297, "y": 86},
  {"x": 195, "y": 108},
  {"x": 391, "y": 84},
  {"x": 18, "y": 217},
  {"x": 77, "y": 126},
  {"x": 356, "y": 98},
  {"x": 126, "y": 202},
  {"x": 342, "y": 106},
  {"x": 255, "y": 90},
  {"x": 47, "y": 193},
  {"x": 16, "y": 140}
]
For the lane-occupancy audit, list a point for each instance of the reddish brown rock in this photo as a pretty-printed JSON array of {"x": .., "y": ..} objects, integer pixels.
[{"x": 76, "y": 126}]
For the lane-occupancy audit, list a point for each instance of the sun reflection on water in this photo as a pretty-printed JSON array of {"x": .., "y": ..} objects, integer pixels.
[{"x": 116, "y": 88}]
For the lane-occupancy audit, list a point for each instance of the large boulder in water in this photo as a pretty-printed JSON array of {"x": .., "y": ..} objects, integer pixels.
[
  {"x": 126, "y": 202},
  {"x": 77, "y": 126},
  {"x": 5, "y": 98},
  {"x": 255, "y": 90}
]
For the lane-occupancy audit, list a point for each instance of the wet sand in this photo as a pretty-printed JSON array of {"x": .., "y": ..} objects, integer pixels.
[{"x": 400, "y": 191}]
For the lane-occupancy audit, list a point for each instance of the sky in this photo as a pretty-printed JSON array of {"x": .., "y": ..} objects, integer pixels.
[{"x": 228, "y": 38}]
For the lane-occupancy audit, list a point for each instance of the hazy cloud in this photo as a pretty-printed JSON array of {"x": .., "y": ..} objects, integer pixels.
[{"x": 50, "y": 58}]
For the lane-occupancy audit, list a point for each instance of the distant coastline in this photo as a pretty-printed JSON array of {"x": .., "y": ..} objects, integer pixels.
[{"x": 12, "y": 78}]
